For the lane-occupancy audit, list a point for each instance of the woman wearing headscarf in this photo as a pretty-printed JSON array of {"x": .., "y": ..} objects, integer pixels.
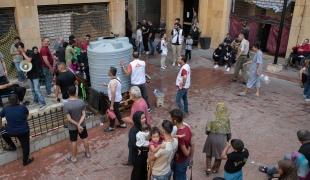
[
  {"x": 218, "y": 131},
  {"x": 138, "y": 147}
]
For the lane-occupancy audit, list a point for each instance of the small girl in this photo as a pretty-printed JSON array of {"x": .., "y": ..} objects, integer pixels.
[
  {"x": 156, "y": 140},
  {"x": 188, "y": 48},
  {"x": 154, "y": 145},
  {"x": 164, "y": 51}
]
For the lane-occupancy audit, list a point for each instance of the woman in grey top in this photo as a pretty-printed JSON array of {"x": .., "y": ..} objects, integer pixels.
[{"x": 255, "y": 71}]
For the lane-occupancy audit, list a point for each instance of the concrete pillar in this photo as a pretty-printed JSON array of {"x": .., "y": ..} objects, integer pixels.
[
  {"x": 163, "y": 9},
  {"x": 214, "y": 19},
  {"x": 117, "y": 16},
  {"x": 132, "y": 13},
  {"x": 174, "y": 9},
  {"x": 300, "y": 25},
  {"x": 27, "y": 22}
]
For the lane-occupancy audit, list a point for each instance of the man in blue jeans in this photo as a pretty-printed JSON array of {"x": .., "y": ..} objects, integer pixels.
[
  {"x": 47, "y": 65},
  {"x": 184, "y": 154},
  {"x": 34, "y": 74},
  {"x": 183, "y": 83}
]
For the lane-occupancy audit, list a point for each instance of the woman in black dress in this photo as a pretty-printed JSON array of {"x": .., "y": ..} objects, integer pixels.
[{"x": 138, "y": 152}]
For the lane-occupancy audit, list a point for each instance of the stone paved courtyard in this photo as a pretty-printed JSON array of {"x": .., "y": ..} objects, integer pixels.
[{"x": 267, "y": 125}]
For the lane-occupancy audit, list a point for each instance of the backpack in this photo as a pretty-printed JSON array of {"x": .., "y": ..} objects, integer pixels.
[{"x": 158, "y": 48}]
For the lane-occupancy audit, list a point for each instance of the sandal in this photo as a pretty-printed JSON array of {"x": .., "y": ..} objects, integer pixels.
[{"x": 70, "y": 159}]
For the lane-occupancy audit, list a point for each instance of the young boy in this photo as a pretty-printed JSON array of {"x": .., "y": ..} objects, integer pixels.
[
  {"x": 188, "y": 48},
  {"x": 235, "y": 160},
  {"x": 74, "y": 109}
]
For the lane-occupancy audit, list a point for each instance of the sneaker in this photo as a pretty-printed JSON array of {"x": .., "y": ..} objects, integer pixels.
[
  {"x": 122, "y": 126},
  {"x": 109, "y": 129},
  {"x": 147, "y": 52},
  {"x": 51, "y": 96},
  {"x": 30, "y": 160},
  {"x": 149, "y": 110},
  {"x": 307, "y": 99},
  {"x": 173, "y": 64},
  {"x": 228, "y": 69},
  {"x": 26, "y": 103},
  {"x": 216, "y": 66},
  {"x": 42, "y": 107},
  {"x": 163, "y": 68}
]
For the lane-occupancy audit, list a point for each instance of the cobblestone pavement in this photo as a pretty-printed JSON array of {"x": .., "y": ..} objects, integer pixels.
[{"x": 267, "y": 125}]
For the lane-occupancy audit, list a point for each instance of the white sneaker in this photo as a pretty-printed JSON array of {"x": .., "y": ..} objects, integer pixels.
[
  {"x": 216, "y": 66},
  {"x": 42, "y": 108},
  {"x": 228, "y": 69},
  {"x": 147, "y": 52},
  {"x": 173, "y": 64},
  {"x": 307, "y": 100},
  {"x": 163, "y": 68}
]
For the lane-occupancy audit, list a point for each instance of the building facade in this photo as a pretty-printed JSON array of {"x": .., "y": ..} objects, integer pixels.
[
  {"x": 33, "y": 20},
  {"x": 215, "y": 18}
]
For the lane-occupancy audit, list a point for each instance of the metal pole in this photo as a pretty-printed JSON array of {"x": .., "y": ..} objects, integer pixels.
[{"x": 280, "y": 32}]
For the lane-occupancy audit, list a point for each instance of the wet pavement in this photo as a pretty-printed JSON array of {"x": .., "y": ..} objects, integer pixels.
[{"x": 267, "y": 125}]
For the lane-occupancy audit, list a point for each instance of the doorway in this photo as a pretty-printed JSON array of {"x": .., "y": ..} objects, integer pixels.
[
  {"x": 263, "y": 35},
  {"x": 188, "y": 13}
]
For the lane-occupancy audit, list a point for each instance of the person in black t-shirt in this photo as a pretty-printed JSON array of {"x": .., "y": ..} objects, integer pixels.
[
  {"x": 34, "y": 75},
  {"x": 151, "y": 38},
  {"x": 64, "y": 80},
  {"x": 235, "y": 160}
]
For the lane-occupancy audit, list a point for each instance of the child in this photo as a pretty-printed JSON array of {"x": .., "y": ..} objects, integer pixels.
[
  {"x": 154, "y": 145},
  {"x": 164, "y": 51},
  {"x": 218, "y": 55},
  {"x": 235, "y": 160},
  {"x": 188, "y": 47},
  {"x": 156, "y": 140}
]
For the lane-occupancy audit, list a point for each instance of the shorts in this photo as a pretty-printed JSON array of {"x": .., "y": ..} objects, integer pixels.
[{"x": 74, "y": 134}]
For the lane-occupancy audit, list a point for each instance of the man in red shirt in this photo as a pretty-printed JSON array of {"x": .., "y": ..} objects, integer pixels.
[
  {"x": 299, "y": 52},
  {"x": 47, "y": 65},
  {"x": 84, "y": 58},
  {"x": 184, "y": 153}
]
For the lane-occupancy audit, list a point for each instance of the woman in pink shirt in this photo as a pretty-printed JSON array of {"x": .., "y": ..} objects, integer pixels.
[{"x": 138, "y": 105}]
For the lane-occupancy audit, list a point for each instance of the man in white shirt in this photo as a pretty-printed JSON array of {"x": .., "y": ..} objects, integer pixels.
[
  {"x": 176, "y": 42},
  {"x": 241, "y": 58},
  {"x": 163, "y": 157},
  {"x": 115, "y": 97},
  {"x": 183, "y": 83},
  {"x": 136, "y": 70}
]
